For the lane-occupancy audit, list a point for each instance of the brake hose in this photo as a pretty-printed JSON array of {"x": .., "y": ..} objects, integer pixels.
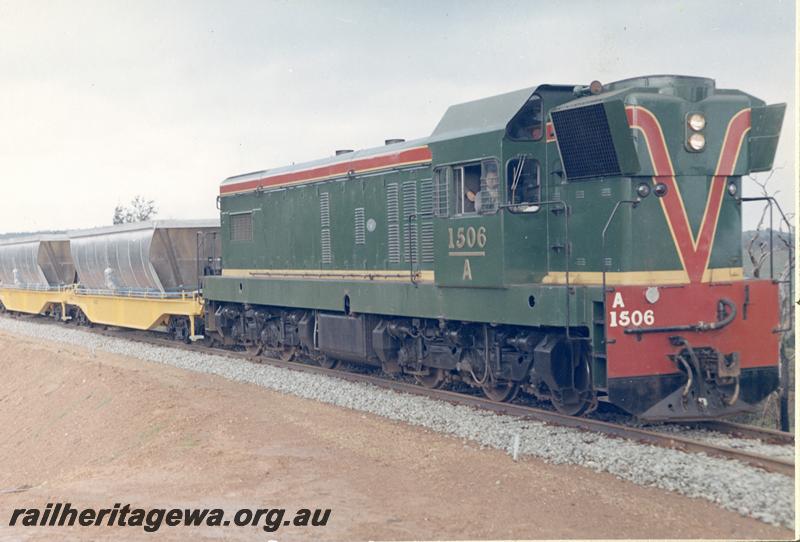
[{"x": 699, "y": 326}]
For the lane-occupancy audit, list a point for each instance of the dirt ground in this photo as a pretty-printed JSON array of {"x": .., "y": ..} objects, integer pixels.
[{"x": 96, "y": 429}]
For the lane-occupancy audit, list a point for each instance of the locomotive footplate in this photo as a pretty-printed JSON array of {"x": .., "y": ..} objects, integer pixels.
[
  {"x": 661, "y": 397},
  {"x": 712, "y": 377}
]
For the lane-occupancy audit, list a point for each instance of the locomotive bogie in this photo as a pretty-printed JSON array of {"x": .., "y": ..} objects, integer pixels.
[{"x": 497, "y": 359}]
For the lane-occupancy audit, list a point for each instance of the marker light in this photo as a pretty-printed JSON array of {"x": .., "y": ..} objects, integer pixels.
[
  {"x": 697, "y": 121},
  {"x": 643, "y": 190},
  {"x": 652, "y": 294},
  {"x": 732, "y": 188},
  {"x": 660, "y": 190},
  {"x": 697, "y": 142}
]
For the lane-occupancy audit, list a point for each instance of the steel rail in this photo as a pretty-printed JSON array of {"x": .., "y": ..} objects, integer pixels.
[{"x": 772, "y": 436}]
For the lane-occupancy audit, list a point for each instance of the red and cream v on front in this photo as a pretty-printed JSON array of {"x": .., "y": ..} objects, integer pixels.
[{"x": 694, "y": 251}]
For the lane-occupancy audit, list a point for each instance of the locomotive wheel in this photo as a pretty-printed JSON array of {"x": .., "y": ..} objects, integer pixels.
[
  {"x": 574, "y": 396},
  {"x": 327, "y": 362},
  {"x": 575, "y": 405},
  {"x": 501, "y": 392},
  {"x": 434, "y": 380},
  {"x": 253, "y": 349},
  {"x": 288, "y": 353},
  {"x": 580, "y": 399}
]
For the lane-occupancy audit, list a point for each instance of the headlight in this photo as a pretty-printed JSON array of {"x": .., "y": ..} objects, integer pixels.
[
  {"x": 697, "y": 142},
  {"x": 697, "y": 121},
  {"x": 732, "y": 188},
  {"x": 643, "y": 190}
]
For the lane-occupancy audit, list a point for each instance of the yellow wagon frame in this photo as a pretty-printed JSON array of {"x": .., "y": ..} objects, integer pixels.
[{"x": 134, "y": 310}]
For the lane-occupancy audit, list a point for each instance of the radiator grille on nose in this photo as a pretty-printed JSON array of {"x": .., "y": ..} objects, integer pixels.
[{"x": 584, "y": 140}]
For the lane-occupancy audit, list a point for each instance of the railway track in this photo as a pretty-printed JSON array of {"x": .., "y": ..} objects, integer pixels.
[
  {"x": 656, "y": 438},
  {"x": 764, "y": 434}
]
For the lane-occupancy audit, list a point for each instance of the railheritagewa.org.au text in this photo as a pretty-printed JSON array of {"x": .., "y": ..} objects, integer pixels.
[{"x": 152, "y": 519}]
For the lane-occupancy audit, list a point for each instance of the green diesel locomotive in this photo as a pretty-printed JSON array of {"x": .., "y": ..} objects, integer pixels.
[{"x": 577, "y": 243}]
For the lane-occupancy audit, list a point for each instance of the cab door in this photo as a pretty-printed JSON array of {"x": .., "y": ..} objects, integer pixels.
[{"x": 468, "y": 228}]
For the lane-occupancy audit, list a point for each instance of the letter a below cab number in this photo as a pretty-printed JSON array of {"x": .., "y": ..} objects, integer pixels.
[{"x": 467, "y": 254}]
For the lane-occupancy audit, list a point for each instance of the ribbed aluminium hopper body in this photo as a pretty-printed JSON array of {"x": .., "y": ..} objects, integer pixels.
[
  {"x": 39, "y": 262},
  {"x": 148, "y": 257},
  {"x": 144, "y": 275},
  {"x": 34, "y": 274}
]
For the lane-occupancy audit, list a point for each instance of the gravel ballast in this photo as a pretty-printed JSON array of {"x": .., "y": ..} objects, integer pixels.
[{"x": 749, "y": 491}]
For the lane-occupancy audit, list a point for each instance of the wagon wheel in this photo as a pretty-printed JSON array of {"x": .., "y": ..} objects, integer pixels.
[
  {"x": 180, "y": 330},
  {"x": 501, "y": 392},
  {"x": 56, "y": 312},
  {"x": 434, "y": 380},
  {"x": 82, "y": 320}
]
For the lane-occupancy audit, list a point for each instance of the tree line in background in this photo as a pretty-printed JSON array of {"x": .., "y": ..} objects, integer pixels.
[{"x": 138, "y": 210}]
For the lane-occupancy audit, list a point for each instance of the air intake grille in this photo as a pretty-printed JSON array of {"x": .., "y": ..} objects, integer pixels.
[
  {"x": 393, "y": 221},
  {"x": 584, "y": 139},
  {"x": 426, "y": 219},
  {"x": 410, "y": 230},
  {"x": 325, "y": 227},
  {"x": 242, "y": 227},
  {"x": 325, "y": 210},
  {"x": 360, "y": 230}
]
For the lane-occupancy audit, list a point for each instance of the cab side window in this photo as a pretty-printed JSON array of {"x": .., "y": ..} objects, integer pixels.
[
  {"x": 488, "y": 199},
  {"x": 523, "y": 180},
  {"x": 527, "y": 123},
  {"x": 442, "y": 180},
  {"x": 467, "y": 189},
  {"x": 466, "y": 185}
]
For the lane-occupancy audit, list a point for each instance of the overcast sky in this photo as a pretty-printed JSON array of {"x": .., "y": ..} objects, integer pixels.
[{"x": 105, "y": 100}]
